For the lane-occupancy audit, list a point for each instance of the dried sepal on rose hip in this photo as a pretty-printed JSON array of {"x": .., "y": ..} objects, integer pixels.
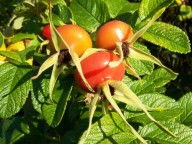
[
  {"x": 97, "y": 71},
  {"x": 75, "y": 37},
  {"x": 104, "y": 74},
  {"x": 118, "y": 36},
  {"x": 68, "y": 43},
  {"x": 107, "y": 83}
]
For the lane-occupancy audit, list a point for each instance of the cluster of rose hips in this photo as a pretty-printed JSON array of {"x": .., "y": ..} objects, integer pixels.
[
  {"x": 98, "y": 71},
  {"x": 95, "y": 67}
]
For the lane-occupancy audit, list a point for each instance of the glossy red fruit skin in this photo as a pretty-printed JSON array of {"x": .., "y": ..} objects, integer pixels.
[
  {"x": 112, "y": 32},
  {"x": 46, "y": 32},
  {"x": 97, "y": 71},
  {"x": 76, "y": 38}
]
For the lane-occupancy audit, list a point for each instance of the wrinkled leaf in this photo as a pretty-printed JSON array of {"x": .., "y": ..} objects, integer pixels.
[
  {"x": 127, "y": 93},
  {"x": 63, "y": 12},
  {"x": 140, "y": 55},
  {"x": 152, "y": 132},
  {"x": 168, "y": 36},
  {"x": 15, "y": 85},
  {"x": 89, "y": 14},
  {"x": 144, "y": 28},
  {"x": 108, "y": 127},
  {"x": 141, "y": 66},
  {"x": 115, "y": 6},
  {"x": 166, "y": 108},
  {"x": 21, "y": 36},
  {"x": 151, "y": 83},
  {"x": 53, "y": 112},
  {"x": 149, "y": 7},
  {"x": 40, "y": 92},
  {"x": 186, "y": 103},
  {"x": 13, "y": 129},
  {"x": 108, "y": 96},
  {"x": 11, "y": 55},
  {"x": 119, "y": 138}
]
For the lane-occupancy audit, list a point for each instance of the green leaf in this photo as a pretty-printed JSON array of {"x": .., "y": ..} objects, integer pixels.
[
  {"x": 151, "y": 83},
  {"x": 29, "y": 51},
  {"x": 21, "y": 36},
  {"x": 89, "y": 14},
  {"x": 186, "y": 103},
  {"x": 141, "y": 67},
  {"x": 15, "y": 85},
  {"x": 63, "y": 11},
  {"x": 11, "y": 55},
  {"x": 115, "y": 6},
  {"x": 127, "y": 13},
  {"x": 168, "y": 36},
  {"x": 1, "y": 40},
  {"x": 12, "y": 130},
  {"x": 40, "y": 92},
  {"x": 53, "y": 2},
  {"x": 141, "y": 55},
  {"x": 168, "y": 108},
  {"x": 57, "y": 21},
  {"x": 149, "y": 7},
  {"x": 125, "y": 95},
  {"x": 119, "y": 138},
  {"x": 152, "y": 132},
  {"x": 53, "y": 112},
  {"x": 109, "y": 129}
]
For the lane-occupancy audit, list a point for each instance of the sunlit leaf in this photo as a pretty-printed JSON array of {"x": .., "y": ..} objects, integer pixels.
[
  {"x": 53, "y": 112},
  {"x": 15, "y": 85},
  {"x": 168, "y": 36},
  {"x": 166, "y": 108},
  {"x": 115, "y": 6},
  {"x": 152, "y": 132},
  {"x": 121, "y": 87},
  {"x": 186, "y": 103},
  {"x": 22, "y": 36},
  {"x": 149, "y": 7},
  {"x": 140, "y": 32},
  {"x": 109, "y": 127},
  {"x": 138, "y": 54},
  {"x": 40, "y": 91},
  {"x": 89, "y": 14}
]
